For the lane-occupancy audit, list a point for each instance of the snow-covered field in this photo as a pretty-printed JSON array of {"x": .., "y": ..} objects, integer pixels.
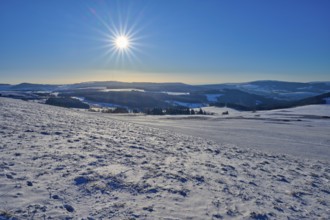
[
  {"x": 57, "y": 163},
  {"x": 301, "y": 132}
]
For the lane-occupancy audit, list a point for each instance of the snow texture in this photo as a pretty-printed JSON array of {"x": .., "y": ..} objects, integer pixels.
[{"x": 58, "y": 163}]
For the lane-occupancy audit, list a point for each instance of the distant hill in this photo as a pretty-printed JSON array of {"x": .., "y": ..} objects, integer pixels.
[
  {"x": 320, "y": 99},
  {"x": 173, "y": 87},
  {"x": 271, "y": 89},
  {"x": 245, "y": 101},
  {"x": 278, "y": 89},
  {"x": 257, "y": 95},
  {"x": 33, "y": 87},
  {"x": 67, "y": 102},
  {"x": 4, "y": 86}
]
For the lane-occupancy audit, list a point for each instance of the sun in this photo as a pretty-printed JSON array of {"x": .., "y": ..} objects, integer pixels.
[
  {"x": 120, "y": 37},
  {"x": 122, "y": 42}
]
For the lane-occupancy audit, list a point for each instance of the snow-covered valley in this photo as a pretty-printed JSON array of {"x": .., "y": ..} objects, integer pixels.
[{"x": 58, "y": 163}]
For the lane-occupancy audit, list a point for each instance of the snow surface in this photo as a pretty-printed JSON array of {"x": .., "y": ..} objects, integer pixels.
[
  {"x": 123, "y": 90},
  {"x": 311, "y": 110},
  {"x": 58, "y": 163},
  {"x": 308, "y": 110},
  {"x": 304, "y": 130},
  {"x": 142, "y": 90},
  {"x": 176, "y": 93}
]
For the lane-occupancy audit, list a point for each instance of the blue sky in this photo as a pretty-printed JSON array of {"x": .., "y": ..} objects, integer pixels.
[{"x": 211, "y": 41}]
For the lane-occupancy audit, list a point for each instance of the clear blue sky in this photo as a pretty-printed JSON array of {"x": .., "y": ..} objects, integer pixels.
[{"x": 193, "y": 41}]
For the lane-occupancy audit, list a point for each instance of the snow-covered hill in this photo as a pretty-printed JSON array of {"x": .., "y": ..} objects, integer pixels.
[{"x": 58, "y": 163}]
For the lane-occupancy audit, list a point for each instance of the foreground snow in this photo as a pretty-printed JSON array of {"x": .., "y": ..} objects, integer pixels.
[{"x": 57, "y": 163}]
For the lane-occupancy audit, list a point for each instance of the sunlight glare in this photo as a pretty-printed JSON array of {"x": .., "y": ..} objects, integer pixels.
[
  {"x": 120, "y": 38},
  {"x": 122, "y": 42}
]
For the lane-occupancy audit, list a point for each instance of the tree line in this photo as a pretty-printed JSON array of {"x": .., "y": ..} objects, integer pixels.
[{"x": 174, "y": 111}]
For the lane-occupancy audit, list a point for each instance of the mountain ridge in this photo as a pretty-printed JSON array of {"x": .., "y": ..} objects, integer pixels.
[{"x": 255, "y": 95}]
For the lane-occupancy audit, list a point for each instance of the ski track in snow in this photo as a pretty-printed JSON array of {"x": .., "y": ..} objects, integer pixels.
[{"x": 57, "y": 163}]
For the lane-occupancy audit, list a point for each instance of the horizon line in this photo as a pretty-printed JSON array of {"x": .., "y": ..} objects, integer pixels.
[{"x": 166, "y": 82}]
